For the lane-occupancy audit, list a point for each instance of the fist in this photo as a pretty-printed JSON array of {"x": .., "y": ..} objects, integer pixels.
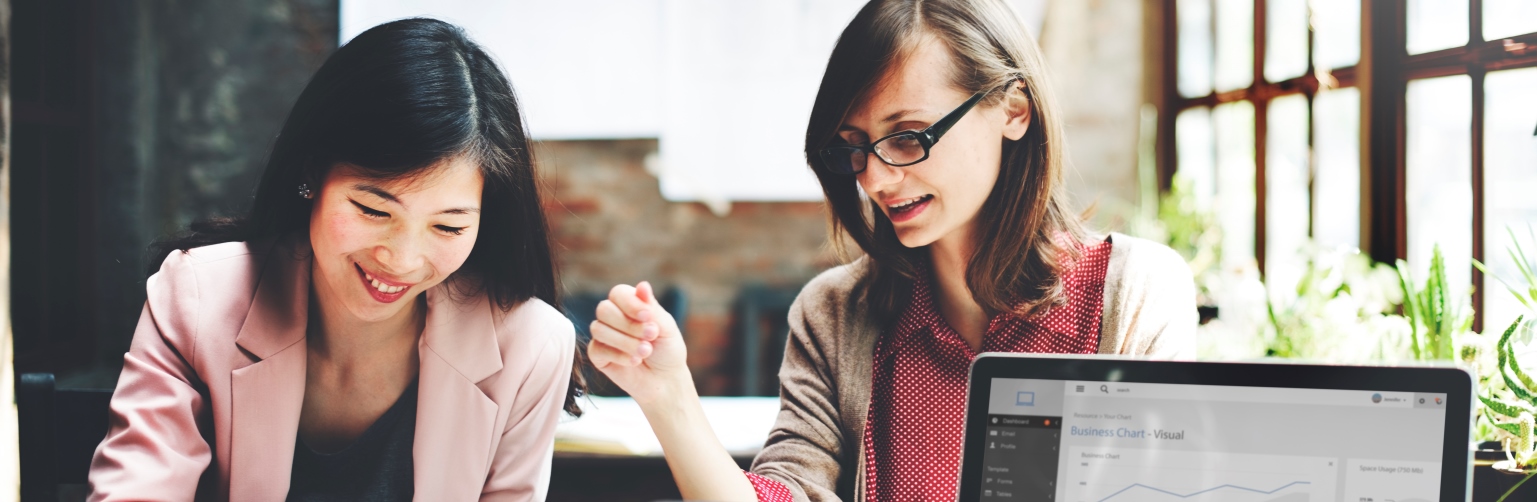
[{"x": 636, "y": 343}]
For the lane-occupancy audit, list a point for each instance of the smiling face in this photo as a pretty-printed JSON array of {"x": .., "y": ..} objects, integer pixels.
[
  {"x": 938, "y": 198},
  {"x": 379, "y": 245}
]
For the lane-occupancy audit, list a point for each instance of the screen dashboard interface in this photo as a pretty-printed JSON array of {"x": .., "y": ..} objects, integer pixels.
[{"x": 1086, "y": 441}]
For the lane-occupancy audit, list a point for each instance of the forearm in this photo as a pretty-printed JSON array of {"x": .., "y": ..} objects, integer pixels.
[{"x": 700, "y": 464}]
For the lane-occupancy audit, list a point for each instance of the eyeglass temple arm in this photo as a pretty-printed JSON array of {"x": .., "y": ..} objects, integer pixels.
[{"x": 944, "y": 124}]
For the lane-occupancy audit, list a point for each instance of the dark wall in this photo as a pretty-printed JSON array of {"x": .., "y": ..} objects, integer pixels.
[{"x": 183, "y": 101}]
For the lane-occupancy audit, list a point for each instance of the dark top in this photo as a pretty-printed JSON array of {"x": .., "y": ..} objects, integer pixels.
[{"x": 375, "y": 467}]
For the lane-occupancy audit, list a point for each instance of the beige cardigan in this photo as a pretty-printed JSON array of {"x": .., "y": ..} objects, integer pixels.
[{"x": 816, "y": 447}]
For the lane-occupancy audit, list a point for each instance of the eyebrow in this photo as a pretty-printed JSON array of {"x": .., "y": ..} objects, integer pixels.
[
  {"x": 386, "y": 195},
  {"x": 380, "y": 192},
  {"x": 894, "y": 117},
  {"x": 898, "y": 115}
]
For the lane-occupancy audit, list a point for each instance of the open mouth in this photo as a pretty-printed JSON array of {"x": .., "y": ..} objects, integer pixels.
[
  {"x": 383, "y": 291},
  {"x": 908, "y": 209}
]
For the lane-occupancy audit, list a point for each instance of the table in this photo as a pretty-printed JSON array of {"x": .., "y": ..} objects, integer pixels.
[{"x": 611, "y": 455}]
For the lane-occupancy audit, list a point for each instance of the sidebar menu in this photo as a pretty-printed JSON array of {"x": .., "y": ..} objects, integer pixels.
[{"x": 1020, "y": 463}]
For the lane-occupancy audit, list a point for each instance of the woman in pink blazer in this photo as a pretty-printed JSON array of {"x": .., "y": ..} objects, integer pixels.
[{"x": 379, "y": 326}]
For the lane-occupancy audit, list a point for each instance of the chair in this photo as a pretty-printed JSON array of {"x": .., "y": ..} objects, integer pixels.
[
  {"x": 762, "y": 314},
  {"x": 59, "y": 431}
]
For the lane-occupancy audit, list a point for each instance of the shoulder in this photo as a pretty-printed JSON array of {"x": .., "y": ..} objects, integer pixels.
[
  {"x": 835, "y": 286},
  {"x": 1135, "y": 257},
  {"x": 535, "y": 339},
  {"x": 194, "y": 287},
  {"x": 831, "y": 315},
  {"x": 181, "y": 268},
  {"x": 834, "y": 302},
  {"x": 533, "y": 324},
  {"x": 1149, "y": 300}
]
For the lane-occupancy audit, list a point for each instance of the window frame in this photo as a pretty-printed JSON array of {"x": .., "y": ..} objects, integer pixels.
[{"x": 1382, "y": 76}]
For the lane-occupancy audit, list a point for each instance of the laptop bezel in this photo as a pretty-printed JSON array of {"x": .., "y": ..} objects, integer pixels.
[{"x": 1456, "y": 383}]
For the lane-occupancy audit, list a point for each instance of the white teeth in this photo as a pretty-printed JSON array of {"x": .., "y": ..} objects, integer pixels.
[
  {"x": 382, "y": 287},
  {"x": 908, "y": 203}
]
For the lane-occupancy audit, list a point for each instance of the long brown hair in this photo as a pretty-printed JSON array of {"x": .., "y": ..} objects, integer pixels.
[{"x": 1031, "y": 236}]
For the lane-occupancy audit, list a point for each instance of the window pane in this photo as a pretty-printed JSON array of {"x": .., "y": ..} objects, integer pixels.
[
  {"x": 1336, "y": 34},
  {"x": 1197, "y": 154},
  {"x": 1234, "y": 123},
  {"x": 1286, "y": 190},
  {"x": 1510, "y": 182},
  {"x": 1439, "y": 191},
  {"x": 1195, "y": 56},
  {"x": 1235, "y": 44},
  {"x": 1437, "y": 24},
  {"x": 1508, "y": 18},
  {"x": 1336, "y": 143},
  {"x": 1286, "y": 39}
]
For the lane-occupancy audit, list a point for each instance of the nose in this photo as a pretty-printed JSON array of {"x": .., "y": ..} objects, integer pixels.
[
  {"x": 878, "y": 175},
  {"x": 401, "y": 253}
]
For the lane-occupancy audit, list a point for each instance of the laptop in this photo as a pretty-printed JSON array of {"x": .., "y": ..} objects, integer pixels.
[{"x": 1097, "y": 429}]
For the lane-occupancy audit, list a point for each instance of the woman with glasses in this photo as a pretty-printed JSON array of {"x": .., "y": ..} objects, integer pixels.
[{"x": 939, "y": 149}]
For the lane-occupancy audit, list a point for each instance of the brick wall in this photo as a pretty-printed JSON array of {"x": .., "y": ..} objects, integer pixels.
[{"x": 611, "y": 226}]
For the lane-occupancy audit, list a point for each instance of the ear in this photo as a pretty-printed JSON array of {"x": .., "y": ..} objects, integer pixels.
[{"x": 1016, "y": 107}]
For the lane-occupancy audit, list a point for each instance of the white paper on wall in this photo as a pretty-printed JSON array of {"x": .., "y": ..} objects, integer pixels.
[{"x": 725, "y": 86}]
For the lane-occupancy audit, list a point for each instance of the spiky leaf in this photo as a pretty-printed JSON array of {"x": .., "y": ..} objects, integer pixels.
[{"x": 1512, "y": 409}]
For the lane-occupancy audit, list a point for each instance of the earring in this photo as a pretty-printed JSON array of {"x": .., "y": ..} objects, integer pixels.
[{"x": 304, "y": 191}]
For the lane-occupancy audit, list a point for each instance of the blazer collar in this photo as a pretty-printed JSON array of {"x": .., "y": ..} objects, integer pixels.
[
  {"x": 279, "y": 310},
  {"x": 456, "y": 422},
  {"x": 462, "y": 331}
]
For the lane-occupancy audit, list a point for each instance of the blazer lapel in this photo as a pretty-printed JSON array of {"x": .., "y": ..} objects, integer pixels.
[
  {"x": 268, "y": 395},
  {"x": 456, "y": 429}
]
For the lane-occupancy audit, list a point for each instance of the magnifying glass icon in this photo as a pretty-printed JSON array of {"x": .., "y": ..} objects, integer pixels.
[{"x": 1104, "y": 389}]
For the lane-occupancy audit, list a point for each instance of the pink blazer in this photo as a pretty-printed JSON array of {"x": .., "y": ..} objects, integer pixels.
[{"x": 208, "y": 403}]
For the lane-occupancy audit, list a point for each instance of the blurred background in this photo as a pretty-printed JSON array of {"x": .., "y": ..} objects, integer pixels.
[{"x": 1322, "y": 165}]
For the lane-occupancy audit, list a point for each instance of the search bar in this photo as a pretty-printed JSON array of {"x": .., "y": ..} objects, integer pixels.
[{"x": 1221, "y": 393}]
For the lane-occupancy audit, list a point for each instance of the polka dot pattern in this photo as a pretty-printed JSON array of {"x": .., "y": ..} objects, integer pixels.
[
  {"x": 769, "y": 490},
  {"x": 913, "y": 432}
]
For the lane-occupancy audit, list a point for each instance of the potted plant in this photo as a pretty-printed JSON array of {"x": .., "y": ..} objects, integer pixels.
[
  {"x": 1509, "y": 390},
  {"x": 1511, "y": 411},
  {"x": 1438, "y": 318}
]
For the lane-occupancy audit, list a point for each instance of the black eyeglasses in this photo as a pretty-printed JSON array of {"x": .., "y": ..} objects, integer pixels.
[{"x": 897, "y": 149}]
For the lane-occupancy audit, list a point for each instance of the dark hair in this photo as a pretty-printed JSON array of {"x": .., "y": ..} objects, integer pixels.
[
  {"x": 396, "y": 101},
  {"x": 1031, "y": 236}
]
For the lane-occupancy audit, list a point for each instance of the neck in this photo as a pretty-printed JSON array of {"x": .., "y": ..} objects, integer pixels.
[
  {"x": 336, "y": 335},
  {"x": 949, "y": 257}
]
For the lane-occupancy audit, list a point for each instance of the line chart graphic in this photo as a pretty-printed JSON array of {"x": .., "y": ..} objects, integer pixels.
[
  {"x": 1097, "y": 474},
  {"x": 1202, "y": 492}
]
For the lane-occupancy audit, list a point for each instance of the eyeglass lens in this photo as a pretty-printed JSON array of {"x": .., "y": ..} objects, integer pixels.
[{"x": 900, "y": 150}]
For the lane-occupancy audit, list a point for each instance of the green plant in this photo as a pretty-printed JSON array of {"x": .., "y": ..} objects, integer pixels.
[
  {"x": 1512, "y": 410},
  {"x": 1437, "y": 316},
  {"x": 1340, "y": 309},
  {"x": 1179, "y": 222},
  {"x": 1527, "y": 268}
]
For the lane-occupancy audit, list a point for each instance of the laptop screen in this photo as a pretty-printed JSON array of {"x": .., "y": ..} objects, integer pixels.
[{"x": 1095, "y": 441}]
